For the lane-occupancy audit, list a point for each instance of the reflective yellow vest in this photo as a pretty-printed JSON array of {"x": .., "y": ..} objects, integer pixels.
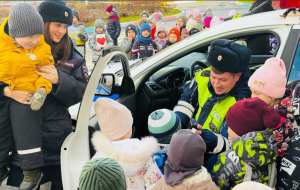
[{"x": 218, "y": 112}]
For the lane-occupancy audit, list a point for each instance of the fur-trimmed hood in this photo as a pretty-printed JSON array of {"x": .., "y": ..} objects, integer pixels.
[{"x": 132, "y": 154}]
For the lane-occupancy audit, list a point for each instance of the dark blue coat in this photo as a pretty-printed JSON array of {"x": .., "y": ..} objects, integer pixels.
[
  {"x": 113, "y": 26},
  {"x": 57, "y": 124}
]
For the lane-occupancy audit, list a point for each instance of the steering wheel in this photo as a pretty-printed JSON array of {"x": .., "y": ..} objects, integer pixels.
[{"x": 196, "y": 67}]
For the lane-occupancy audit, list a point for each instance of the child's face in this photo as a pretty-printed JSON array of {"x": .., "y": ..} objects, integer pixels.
[
  {"x": 271, "y": 102},
  {"x": 173, "y": 38},
  {"x": 108, "y": 14},
  {"x": 28, "y": 42},
  {"x": 162, "y": 34},
  {"x": 144, "y": 17},
  {"x": 75, "y": 20},
  {"x": 231, "y": 135},
  {"x": 99, "y": 30},
  {"x": 57, "y": 31},
  {"x": 145, "y": 33},
  {"x": 131, "y": 34},
  {"x": 152, "y": 25},
  {"x": 198, "y": 17},
  {"x": 180, "y": 22}
]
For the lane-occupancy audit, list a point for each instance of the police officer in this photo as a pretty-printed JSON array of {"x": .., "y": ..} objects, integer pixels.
[
  {"x": 213, "y": 91},
  {"x": 69, "y": 78}
]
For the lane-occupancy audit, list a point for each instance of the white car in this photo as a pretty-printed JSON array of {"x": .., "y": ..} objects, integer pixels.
[{"x": 158, "y": 82}]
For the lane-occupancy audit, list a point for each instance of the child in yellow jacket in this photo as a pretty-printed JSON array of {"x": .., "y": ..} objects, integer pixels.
[{"x": 23, "y": 49}]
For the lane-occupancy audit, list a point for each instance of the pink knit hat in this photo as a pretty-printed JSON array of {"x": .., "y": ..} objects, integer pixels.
[
  {"x": 232, "y": 13},
  {"x": 155, "y": 17},
  {"x": 251, "y": 185},
  {"x": 114, "y": 119},
  {"x": 207, "y": 22},
  {"x": 196, "y": 13},
  {"x": 160, "y": 26},
  {"x": 270, "y": 79}
]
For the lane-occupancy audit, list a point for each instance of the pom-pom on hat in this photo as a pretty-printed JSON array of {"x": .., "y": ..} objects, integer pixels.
[
  {"x": 228, "y": 56},
  {"x": 155, "y": 17},
  {"x": 270, "y": 79},
  {"x": 102, "y": 174},
  {"x": 162, "y": 124},
  {"x": 56, "y": 11},
  {"x": 251, "y": 115}
]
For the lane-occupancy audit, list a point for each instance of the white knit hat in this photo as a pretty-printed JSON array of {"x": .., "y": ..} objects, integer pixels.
[
  {"x": 251, "y": 185},
  {"x": 114, "y": 119}
]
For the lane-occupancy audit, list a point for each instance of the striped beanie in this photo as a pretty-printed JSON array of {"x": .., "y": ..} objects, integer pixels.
[
  {"x": 102, "y": 174},
  {"x": 162, "y": 124}
]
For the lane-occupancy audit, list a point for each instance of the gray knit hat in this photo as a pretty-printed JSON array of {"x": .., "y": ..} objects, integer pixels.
[
  {"x": 24, "y": 20},
  {"x": 99, "y": 23},
  {"x": 146, "y": 13},
  {"x": 76, "y": 13},
  {"x": 183, "y": 17},
  {"x": 102, "y": 174},
  {"x": 162, "y": 124}
]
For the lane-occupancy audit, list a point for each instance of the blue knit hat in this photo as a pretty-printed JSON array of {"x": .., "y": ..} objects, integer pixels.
[
  {"x": 145, "y": 26},
  {"x": 56, "y": 11},
  {"x": 162, "y": 124}
]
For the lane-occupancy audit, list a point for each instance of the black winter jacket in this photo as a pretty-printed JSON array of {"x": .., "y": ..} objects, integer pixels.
[
  {"x": 143, "y": 50},
  {"x": 57, "y": 124},
  {"x": 265, "y": 8},
  {"x": 113, "y": 26}
]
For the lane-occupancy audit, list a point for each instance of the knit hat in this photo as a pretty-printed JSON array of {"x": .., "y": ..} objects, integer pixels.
[
  {"x": 209, "y": 8},
  {"x": 177, "y": 27},
  {"x": 111, "y": 9},
  {"x": 207, "y": 21},
  {"x": 99, "y": 23},
  {"x": 76, "y": 13},
  {"x": 188, "y": 13},
  {"x": 24, "y": 20},
  {"x": 130, "y": 27},
  {"x": 145, "y": 26},
  {"x": 232, "y": 13},
  {"x": 183, "y": 17},
  {"x": 56, "y": 11},
  {"x": 227, "y": 56},
  {"x": 270, "y": 79},
  {"x": 193, "y": 31},
  {"x": 186, "y": 156},
  {"x": 162, "y": 124},
  {"x": 155, "y": 17},
  {"x": 251, "y": 185},
  {"x": 114, "y": 119},
  {"x": 102, "y": 174},
  {"x": 215, "y": 21},
  {"x": 146, "y": 13},
  {"x": 196, "y": 13},
  {"x": 193, "y": 24},
  {"x": 160, "y": 26},
  {"x": 251, "y": 115},
  {"x": 176, "y": 32}
]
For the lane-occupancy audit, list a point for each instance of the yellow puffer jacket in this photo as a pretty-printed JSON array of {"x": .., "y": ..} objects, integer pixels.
[{"x": 18, "y": 66}]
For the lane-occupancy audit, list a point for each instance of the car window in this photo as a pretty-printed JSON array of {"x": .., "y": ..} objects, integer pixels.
[{"x": 295, "y": 69}]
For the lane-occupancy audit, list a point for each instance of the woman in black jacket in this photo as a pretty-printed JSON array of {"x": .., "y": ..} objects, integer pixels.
[{"x": 69, "y": 77}]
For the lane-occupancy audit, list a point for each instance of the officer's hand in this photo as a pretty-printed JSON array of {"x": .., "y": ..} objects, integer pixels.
[
  {"x": 49, "y": 72},
  {"x": 199, "y": 130},
  {"x": 22, "y": 97}
]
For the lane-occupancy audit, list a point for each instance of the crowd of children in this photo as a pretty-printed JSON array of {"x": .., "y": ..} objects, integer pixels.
[{"x": 137, "y": 43}]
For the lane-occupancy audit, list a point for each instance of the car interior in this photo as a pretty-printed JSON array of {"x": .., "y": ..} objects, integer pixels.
[{"x": 163, "y": 86}]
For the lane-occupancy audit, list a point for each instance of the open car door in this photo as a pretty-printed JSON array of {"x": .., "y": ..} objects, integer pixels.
[{"x": 75, "y": 151}]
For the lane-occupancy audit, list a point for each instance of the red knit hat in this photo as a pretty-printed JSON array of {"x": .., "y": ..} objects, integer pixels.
[
  {"x": 176, "y": 32},
  {"x": 111, "y": 9},
  {"x": 251, "y": 115}
]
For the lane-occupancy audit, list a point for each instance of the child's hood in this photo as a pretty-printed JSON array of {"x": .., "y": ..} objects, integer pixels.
[
  {"x": 285, "y": 106},
  {"x": 100, "y": 23},
  {"x": 132, "y": 154},
  {"x": 255, "y": 148}
]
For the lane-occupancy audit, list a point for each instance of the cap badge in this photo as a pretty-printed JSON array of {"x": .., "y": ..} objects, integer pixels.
[
  {"x": 219, "y": 57},
  {"x": 255, "y": 82},
  {"x": 66, "y": 14},
  {"x": 261, "y": 84}
]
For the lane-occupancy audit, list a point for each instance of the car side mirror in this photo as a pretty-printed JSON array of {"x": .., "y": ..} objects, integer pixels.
[{"x": 106, "y": 85}]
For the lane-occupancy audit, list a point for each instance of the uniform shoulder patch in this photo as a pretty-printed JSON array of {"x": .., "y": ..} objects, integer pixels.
[
  {"x": 205, "y": 73},
  {"x": 85, "y": 73}
]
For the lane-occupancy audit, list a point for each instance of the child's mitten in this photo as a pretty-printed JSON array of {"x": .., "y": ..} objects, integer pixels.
[{"x": 38, "y": 99}]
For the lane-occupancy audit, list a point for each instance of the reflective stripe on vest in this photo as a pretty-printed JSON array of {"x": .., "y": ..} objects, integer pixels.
[{"x": 218, "y": 112}]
